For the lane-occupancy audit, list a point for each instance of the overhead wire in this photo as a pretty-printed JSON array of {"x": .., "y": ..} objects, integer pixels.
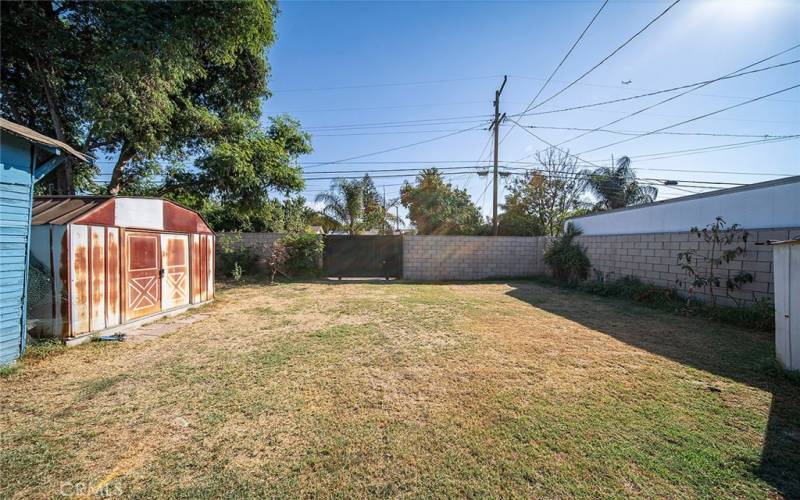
[
  {"x": 396, "y": 148},
  {"x": 692, "y": 86},
  {"x": 561, "y": 63},
  {"x": 387, "y": 84},
  {"x": 719, "y": 147},
  {"x": 630, "y": 132},
  {"x": 609, "y": 56},
  {"x": 671, "y": 98},
  {"x": 700, "y": 117},
  {"x": 445, "y": 120}
]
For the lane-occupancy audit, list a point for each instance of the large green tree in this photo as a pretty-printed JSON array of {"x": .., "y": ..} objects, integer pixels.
[
  {"x": 240, "y": 183},
  {"x": 436, "y": 207},
  {"x": 134, "y": 81},
  {"x": 618, "y": 187},
  {"x": 540, "y": 201}
]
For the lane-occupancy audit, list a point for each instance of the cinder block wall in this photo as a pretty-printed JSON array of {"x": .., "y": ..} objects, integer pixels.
[
  {"x": 430, "y": 258},
  {"x": 259, "y": 243},
  {"x": 654, "y": 259}
]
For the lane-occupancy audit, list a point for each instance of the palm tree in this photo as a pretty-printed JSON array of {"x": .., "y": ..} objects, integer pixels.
[
  {"x": 355, "y": 206},
  {"x": 344, "y": 204},
  {"x": 617, "y": 186}
]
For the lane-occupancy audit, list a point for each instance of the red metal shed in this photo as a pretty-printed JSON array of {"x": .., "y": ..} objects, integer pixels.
[{"x": 111, "y": 261}]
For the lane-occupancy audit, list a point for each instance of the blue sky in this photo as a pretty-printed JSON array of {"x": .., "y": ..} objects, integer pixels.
[{"x": 381, "y": 48}]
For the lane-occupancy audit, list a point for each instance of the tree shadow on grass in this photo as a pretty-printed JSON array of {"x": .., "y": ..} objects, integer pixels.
[{"x": 741, "y": 355}]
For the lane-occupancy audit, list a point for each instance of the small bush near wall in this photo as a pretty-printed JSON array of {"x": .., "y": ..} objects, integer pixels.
[
  {"x": 566, "y": 258},
  {"x": 304, "y": 254}
]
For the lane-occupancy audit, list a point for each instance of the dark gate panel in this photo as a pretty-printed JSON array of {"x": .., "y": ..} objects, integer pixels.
[{"x": 367, "y": 256}]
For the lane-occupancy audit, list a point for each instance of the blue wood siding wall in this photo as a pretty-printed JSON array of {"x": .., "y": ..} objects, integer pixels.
[{"x": 16, "y": 184}]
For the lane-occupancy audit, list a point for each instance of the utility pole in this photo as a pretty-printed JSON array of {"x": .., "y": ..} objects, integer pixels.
[{"x": 496, "y": 125}]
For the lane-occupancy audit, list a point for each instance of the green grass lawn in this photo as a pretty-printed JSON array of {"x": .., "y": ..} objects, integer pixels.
[{"x": 357, "y": 389}]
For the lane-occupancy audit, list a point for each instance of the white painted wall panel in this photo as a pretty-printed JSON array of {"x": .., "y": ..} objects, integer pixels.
[
  {"x": 794, "y": 304},
  {"x": 773, "y": 206},
  {"x": 139, "y": 213},
  {"x": 786, "y": 265}
]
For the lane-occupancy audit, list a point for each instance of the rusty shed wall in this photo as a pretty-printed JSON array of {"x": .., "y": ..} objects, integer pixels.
[{"x": 89, "y": 266}]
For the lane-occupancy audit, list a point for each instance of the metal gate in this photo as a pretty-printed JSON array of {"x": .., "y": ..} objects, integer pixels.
[{"x": 367, "y": 256}]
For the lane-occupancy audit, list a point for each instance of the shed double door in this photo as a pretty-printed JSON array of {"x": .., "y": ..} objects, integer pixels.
[{"x": 157, "y": 273}]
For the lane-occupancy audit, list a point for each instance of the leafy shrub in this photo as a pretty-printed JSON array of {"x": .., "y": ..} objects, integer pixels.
[
  {"x": 566, "y": 258},
  {"x": 631, "y": 287},
  {"x": 759, "y": 316},
  {"x": 304, "y": 253},
  {"x": 723, "y": 244},
  {"x": 236, "y": 272}
]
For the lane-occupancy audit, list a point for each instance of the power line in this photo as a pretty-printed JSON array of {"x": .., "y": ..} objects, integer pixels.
[
  {"x": 389, "y": 84},
  {"x": 693, "y": 119},
  {"x": 709, "y": 82},
  {"x": 480, "y": 157},
  {"x": 720, "y": 147},
  {"x": 674, "y": 115},
  {"x": 374, "y": 153},
  {"x": 483, "y": 195},
  {"x": 706, "y": 149},
  {"x": 630, "y": 132},
  {"x": 510, "y": 171},
  {"x": 609, "y": 56},
  {"x": 631, "y": 88},
  {"x": 391, "y": 162},
  {"x": 509, "y": 162},
  {"x": 413, "y": 174},
  {"x": 443, "y": 169},
  {"x": 423, "y": 121},
  {"x": 692, "y": 86},
  {"x": 563, "y": 59},
  {"x": 368, "y": 108},
  {"x": 694, "y": 171},
  {"x": 555, "y": 146},
  {"x": 377, "y": 186},
  {"x": 460, "y": 171},
  {"x": 394, "y": 132},
  {"x": 578, "y": 158}
]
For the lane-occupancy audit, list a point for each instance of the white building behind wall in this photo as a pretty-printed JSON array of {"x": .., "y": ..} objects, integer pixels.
[{"x": 772, "y": 204}]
